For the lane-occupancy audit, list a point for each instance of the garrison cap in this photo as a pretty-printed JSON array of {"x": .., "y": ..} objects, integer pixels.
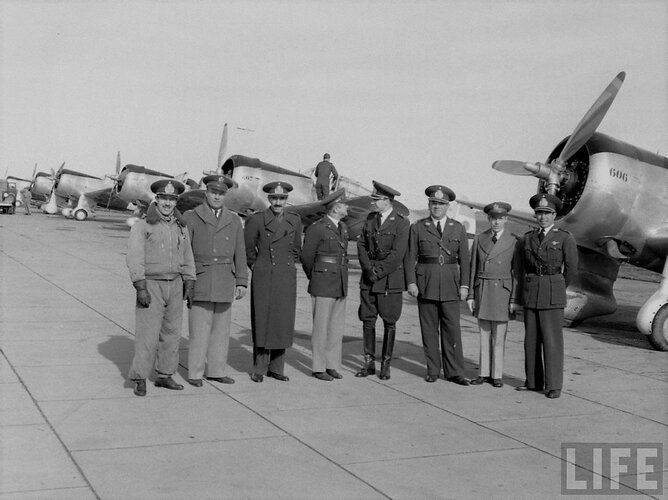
[
  {"x": 168, "y": 187},
  {"x": 545, "y": 202},
  {"x": 381, "y": 191},
  {"x": 338, "y": 196},
  {"x": 497, "y": 209},
  {"x": 220, "y": 183},
  {"x": 325, "y": 156},
  {"x": 278, "y": 189},
  {"x": 440, "y": 194}
]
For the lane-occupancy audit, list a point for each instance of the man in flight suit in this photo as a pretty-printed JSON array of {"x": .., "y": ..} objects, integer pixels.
[
  {"x": 381, "y": 249},
  {"x": 323, "y": 171},
  {"x": 437, "y": 273},
  {"x": 160, "y": 260},
  {"x": 273, "y": 246},
  {"x": 220, "y": 258},
  {"x": 325, "y": 262},
  {"x": 548, "y": 262}
]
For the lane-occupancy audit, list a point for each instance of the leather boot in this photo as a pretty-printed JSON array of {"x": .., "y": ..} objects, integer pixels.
[
  {"x": 369, "y": 367},
  {"x": 388, "y": 347}
]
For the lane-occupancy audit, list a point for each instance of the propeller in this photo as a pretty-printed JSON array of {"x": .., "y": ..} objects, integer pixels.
[
  {"x": 115, "y": 177},
  {"x": 554, "y": 172},
  {"x": 223, "y": 149}
]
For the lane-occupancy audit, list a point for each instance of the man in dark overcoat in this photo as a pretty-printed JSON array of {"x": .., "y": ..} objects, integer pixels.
[
  {"x": 437, "y": 273},
  {"x": 493, "y": 291},
  {"x": 548, "y": 262},
  {"x": 325, "y": 262},
  {"x": 273, "y": 246},
  {"x": 381, "y": 249},
  {"x": 217, "y": 239}
]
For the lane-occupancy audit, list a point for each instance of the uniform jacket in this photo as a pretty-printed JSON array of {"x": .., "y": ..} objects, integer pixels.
[
  {"x": 322, "y": 171},
  {"x": 220, "y": 254},
  {"x": 159, "y": 251},
  {"x": 273, "y": 248},
  {"x": 324, "y": 240},
  {"x": 381, "y": 251},
  {"x": 493, "y": 281},
  {"x": 546, "y": 268},
  {"x": 436, "y": 281}
]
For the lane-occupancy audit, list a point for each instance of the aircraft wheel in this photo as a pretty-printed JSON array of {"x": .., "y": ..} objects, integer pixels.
[
  {"x": 80, "y": 215},
  {"x": 659, "y": 336}
]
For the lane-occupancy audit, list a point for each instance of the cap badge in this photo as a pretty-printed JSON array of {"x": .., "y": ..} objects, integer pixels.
[
  {"x": 543, "y": 202},
  {"x": 169, "y": 188},
  {"x": 279, "y": 190},
  {"x": 496, "y": 207},
  {"x": 439, "y": 194}
]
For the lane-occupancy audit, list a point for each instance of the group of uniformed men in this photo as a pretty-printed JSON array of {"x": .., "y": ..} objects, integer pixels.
[{"x": 203, "y": 257}]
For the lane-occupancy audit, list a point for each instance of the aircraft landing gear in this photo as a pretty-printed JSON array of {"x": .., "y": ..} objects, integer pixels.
[
  {"x": 659, "y": 335},
  {"x": 81, "y": 214}
]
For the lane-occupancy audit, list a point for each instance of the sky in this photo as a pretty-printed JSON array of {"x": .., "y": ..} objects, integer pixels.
[{"x": 408, "y": 93}]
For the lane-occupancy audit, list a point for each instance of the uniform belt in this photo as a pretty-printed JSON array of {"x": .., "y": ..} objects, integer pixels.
[
  {"x": 215, "y": 261},
  {"x": 162, "y": 277},
  {"x": 380, "y": 255},
  {"x": 493, "y": 276},
  {"x": 331, "y": 259},
  {"x": 440, "y": 260},
  {"x": 545, "y": 270}
]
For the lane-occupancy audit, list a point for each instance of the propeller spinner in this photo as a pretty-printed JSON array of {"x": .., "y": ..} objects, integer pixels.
[{"x": 555, "y": 173}]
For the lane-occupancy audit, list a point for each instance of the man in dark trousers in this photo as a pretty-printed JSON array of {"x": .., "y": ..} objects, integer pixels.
[
  {"x": 160, "y": 261},
  {"x": 548, "y": 262},
  {"x": 325, "y": 262},
  {"x": 325, "y": 173},
  {"x": 381, "y": 249},
  {"x": 437, "y": 273},
  {"x": 217, "y": 238},
  {"x": 273, "y": 246}
]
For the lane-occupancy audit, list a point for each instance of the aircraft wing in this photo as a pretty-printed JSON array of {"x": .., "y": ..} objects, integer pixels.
[{"x": 106, "y": 198}]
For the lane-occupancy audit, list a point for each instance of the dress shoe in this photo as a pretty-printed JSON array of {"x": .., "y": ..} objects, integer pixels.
[
  {"x": 168, "y": 383},
  {"x": 478, "y": 381},
  {"x": 197, "y": 382},
  {"x": 140, "y": 387},
  {"x": 459, "y": 380},
  {"x": 222, "y": 380},
  {"x": 323, "y": 376},
  {"x": 525, "y": 388},
  {"x": 257, "y": 377},
  {"x": 497, "y": 382},
  {"x": 554, "y": 393},
  {"x": 278, "y": 376},
  {"x": 365, "y": 371},
  {"x": 431, "y": 378},
  {"x": 333, "y": 373}
]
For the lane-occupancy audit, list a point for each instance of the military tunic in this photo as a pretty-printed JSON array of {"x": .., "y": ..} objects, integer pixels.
[
  {"x": 546, "y": 269},
  {"x": 273, "y": 248},
  {"x": 439, "y": 265}
]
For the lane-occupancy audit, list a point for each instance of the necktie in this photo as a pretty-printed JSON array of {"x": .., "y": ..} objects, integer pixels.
[
  {"x": 494, "y": 238},
  {"x": 438, "y": 228},
  {"x": 541, "y": 236},
  {"x": 217, "y": 212}
]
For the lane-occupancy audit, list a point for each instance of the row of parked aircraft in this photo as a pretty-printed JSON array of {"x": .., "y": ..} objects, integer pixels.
[{"x": 615, "y": 203}]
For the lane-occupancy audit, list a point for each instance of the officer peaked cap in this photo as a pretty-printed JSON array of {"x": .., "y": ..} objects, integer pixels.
[
  {"x": 168, "y": 187},
  {"x": 382, "y": 191},
  {"x": 440, "y": 194},
  {"x": 219, "y": 183},
  {"x": 498, "y": 208},
  {"x": 545, "y": 202},
  {"x": 277, "y": 189}
]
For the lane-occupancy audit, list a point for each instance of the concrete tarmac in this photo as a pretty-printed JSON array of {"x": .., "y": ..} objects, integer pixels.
[{"x": 71, "y": 428}]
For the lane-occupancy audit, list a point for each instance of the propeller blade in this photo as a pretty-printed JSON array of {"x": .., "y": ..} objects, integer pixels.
[
  {"x": 512, "y": 167},
  {"x": 6, "y": 170},
  {"x": 34, "y": 171},
  {"x": 118, "y": 163},
  {"x": 592, "y": 119},
  {"x": 223, "y": 148}
]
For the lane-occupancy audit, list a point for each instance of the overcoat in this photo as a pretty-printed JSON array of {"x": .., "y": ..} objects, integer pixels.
[
  {"x": 381, "y": 250},
  {"x": 439, "y": 265},
  {"x": 272, "y": 249},
  {"x": 325, "y": 258},
  {"x": 220, "y": 254},
  {"x": 493, "y": 284},
  {"x": 547, "y": 268}
]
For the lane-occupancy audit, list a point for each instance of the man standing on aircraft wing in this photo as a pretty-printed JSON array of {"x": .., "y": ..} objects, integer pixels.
[
  {"x": 437, "y": 273},
  {"x": 381, "y": 249},
  {"x": 323, "y": 172},
  {"x": 493, "y": 291},
  {"x": 273, "y": 245},
  {"x": 220, "y": 258},
  {"x": 325, "y": 262},
  {"x": 548, "y": 262},
  {"x": 161, "y": 265}
]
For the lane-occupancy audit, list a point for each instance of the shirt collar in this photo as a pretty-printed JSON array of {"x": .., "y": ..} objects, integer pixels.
[{"x": 336, "y": 222}]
